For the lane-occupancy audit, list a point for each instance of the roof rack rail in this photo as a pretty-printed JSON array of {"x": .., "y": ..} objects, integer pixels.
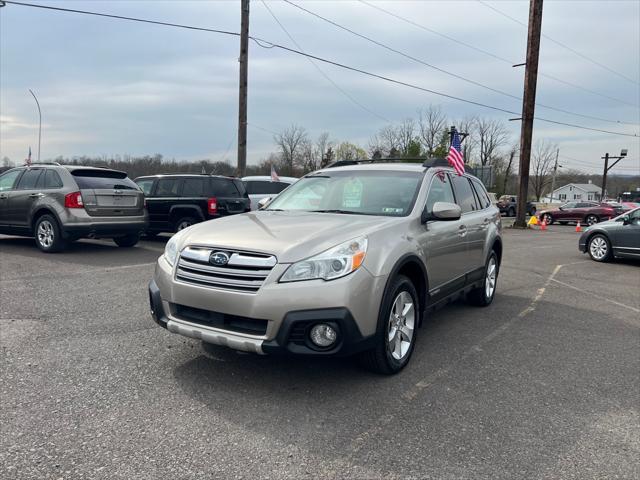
[
  {"x": 40, "y": 163},
  {"x": 428, "y": 163},
  {"x": 436, "y": 162}
]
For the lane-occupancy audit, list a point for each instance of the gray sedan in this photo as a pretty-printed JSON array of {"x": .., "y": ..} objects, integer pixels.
[{"x": 618, "y": 237}]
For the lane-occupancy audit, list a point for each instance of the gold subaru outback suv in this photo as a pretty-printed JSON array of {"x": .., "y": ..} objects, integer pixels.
[{"x": 346, "y": 261}]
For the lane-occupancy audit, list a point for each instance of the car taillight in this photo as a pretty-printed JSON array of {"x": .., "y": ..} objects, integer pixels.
[
  {"x": 212, "y": 206},
  {"x": 73, "y": 200}
]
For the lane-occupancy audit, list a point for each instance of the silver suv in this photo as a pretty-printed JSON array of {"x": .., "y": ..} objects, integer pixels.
[
  {"x": 348, "y": 260},
  {"x": 58, "y": 204}
]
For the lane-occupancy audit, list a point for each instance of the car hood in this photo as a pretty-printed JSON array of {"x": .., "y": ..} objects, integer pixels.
[{"x": 290, "y": 236}]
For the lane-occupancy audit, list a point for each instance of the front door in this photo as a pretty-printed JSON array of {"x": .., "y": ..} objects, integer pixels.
[
  {"x": 626, "y": 238},
  {"x": 7, "y": 182},
  {"x": 22, "y": 197}
]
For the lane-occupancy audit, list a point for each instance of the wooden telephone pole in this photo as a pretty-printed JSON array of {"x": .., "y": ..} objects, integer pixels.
[
  {"x": 528, "y": 106},
  {"x": 244, "y": 73}
]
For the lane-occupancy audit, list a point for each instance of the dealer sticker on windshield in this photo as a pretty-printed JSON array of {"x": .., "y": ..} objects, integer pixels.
[
  {"x": 352, "y": 194},
  {"x": 392, "y": 210}
]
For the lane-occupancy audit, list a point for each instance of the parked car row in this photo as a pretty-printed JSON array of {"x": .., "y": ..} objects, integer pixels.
[{"x": 508, "y": 205}]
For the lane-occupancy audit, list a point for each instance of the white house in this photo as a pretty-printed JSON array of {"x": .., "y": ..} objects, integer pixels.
[{"x": 576, "y": 191}]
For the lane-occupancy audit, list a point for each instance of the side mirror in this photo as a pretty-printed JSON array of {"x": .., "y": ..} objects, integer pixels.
[
  {"x": 626, "y": 220},
  {"x": 442, "y": 211},
  {"x": 262, "y": 203}
]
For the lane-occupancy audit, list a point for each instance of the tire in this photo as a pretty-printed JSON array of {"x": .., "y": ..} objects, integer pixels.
[
  {"x": 563, "y": 223},
  {"x": 547, "y": 217},
  {"x": 389, "y": 356},
  {"x": 591, "y": 219},
  {"x": 127, "y": 241},
  {"x": 599, "y": 248},
  {"x": 183, "y": 223},
  {"x": 511, "y": 212},
  {"x": 483, "y": 295},
  {"x": 48, "y": 234}
]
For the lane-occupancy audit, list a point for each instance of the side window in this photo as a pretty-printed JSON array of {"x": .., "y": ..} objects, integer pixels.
[
  {"x": 193, "y": 187},
  {"x": 439, "y": 191},
  {"x": 482, "y": 193},
  {"x": 265, "y": 187},
  {"x": 145, "y": 186},
  {"x": 464, "y": 195},
  {"x": 168, "y": 187},
  {"x": 29, "y": 180},
  {"x": 8, "y": 179},
  {"x": 224, "y": 188},
  {"x": 52, "y": 179}
]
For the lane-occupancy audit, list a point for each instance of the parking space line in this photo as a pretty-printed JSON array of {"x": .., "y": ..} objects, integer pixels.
[
  {"x": 92, "y": 270},
  {"x": 595, "y": 295}
]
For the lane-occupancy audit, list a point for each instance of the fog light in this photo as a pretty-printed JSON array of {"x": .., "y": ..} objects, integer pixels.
[{"x": 323, "y": 335}]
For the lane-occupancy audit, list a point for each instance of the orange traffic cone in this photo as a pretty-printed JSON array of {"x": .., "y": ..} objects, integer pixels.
[
  {"x": 543, "y": 225},
  {"x": 578, "y": 228}
]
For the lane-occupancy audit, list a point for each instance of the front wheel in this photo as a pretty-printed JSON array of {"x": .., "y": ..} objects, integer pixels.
[
  {"x": 48, "y": 235},
  {"x": 599, "y": 248},
  {"x": 397, "y": 329},
  {"x": 127, "y": 240},
  {"x": 483, "y": 295},
  {"x": 547, "y": 218}
]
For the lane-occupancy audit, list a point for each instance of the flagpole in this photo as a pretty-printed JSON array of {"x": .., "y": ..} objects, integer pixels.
[{"x": 40, "y": 122}]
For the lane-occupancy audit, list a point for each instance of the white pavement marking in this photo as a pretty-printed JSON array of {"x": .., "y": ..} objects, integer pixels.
[
  {"x": 591, "y": 294},
  {"x": 92, "y": 270}
]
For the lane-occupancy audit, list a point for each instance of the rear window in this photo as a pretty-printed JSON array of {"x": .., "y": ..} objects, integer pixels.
[
  {"x": 464, "y": 195},
  {"x": 193, "y": 187},
  {"x": 263, "y": 187},
  {"x": 145, "y": 185},
  {"x": 29, "y": 180},
  {"x": 223, "y": 187},
  {"x": 107, "y": 179},
  {"x": 168, "y": 187},
  {"x": 50, "y": 179},
  {"x": 482, "y": 193}
]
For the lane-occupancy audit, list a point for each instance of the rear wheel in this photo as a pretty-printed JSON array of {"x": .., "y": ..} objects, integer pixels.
[
  {"x": 599, "y": 248},
  {"x": 397, "y": 329},
  {"x": 183, "y": 223},
  {"x": 48, "y": 235},
  {"x": 547, "y": 218},
  {"x": 511, "y": 212},
  {"x": 591, "y": 219},
  {"x": 483, "y": 295},
  {"x": 127, "y": 240}
]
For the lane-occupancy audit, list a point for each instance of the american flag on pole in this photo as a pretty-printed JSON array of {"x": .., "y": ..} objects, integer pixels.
[
  {"x": 274, "y": 175},
  {"x": 455, "y": 154},
  {"x": 29, "y": 157}
]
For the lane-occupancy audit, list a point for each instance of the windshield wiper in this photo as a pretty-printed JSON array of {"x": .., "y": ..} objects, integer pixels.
[{"x": 340, "y": 211}]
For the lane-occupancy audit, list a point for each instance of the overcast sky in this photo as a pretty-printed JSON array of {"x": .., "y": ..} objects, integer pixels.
[{"x": 111, "y": 87}]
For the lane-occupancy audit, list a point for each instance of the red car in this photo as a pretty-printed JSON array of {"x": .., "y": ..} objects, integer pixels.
[{"x": 588, "y": 213}]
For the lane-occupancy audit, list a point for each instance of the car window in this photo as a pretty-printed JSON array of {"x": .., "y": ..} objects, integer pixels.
[
  {"x": 103, "y": 180},
  {"x": 193, "y": 187},
  {"x": 634, "y": 217},
  {"x": 240, "y": 186},
  {"x": 439, "y": 191},
  {"x": 8, "y": 179},
  {"x": 50, "y": 179},
  {"x": 264, "y": 187},
  {"x": 223, "y": 187},
  {"x": 585, "y": 205},
  {"x": 167, "y": 187},
  {"x": 29, "y": 180},
  {"x": 570, "y": 205},
  {"x": 481, "y": 192},
  {"x": 145, "y": 185},
  {"x": 464, "y": 195}
]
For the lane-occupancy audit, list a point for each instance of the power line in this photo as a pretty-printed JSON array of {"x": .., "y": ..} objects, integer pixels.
[
  {"x": 567, "y": 47},
  {"x": 493, "y": 55},
  {"x": 446, "y": 72},
  {"x": 322, "y": 72},
  {"x": 266, "y": 44}
]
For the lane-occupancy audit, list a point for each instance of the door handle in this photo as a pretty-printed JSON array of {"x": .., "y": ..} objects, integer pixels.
[
  {"x": 36, "y": 195},
  {"x": 3, "y": 196},
  {"x": 462, "y": 230},
  {"x": 486, "y": 221}
]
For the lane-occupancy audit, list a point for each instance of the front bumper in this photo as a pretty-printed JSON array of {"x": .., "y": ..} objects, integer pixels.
[{"x": 288, "y": 311}]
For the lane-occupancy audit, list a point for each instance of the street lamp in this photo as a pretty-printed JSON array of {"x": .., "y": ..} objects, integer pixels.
[
  {"x": 39, "y": 124},
  {"x": 623, "y": 153}
]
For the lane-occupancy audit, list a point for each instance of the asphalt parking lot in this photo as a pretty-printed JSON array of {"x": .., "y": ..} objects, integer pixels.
[{"x": 542, "y": 384}]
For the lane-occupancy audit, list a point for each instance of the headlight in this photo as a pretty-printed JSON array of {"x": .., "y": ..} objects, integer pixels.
[
  {"x": 171, "y": 250},
  {"x": 336, "y": 262}
]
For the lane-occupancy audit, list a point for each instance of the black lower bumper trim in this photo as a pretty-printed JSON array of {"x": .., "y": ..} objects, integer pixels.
[
  {"x": 155, "y": 304},
  {"x": 104, "y": 230},
  {"x": 293, "y": 336}
]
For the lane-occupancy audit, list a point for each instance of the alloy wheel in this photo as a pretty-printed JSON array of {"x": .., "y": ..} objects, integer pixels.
[
  {"x": 598, "y": 248},
  {"x": 183, "y": 225},
  {"x": 491, "y": 276},
  {"x": 402, "y": 321},
  {"x": 592, "y": 220},
  {"x": 45, "y": 234}
]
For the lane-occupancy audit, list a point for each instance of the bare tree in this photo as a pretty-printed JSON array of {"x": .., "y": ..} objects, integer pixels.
[
  {"x": 431, "y": 123},
  {"x": 323, "y": 144},
  {"x": 542, "y": 162},
  {"x": 350, "y": 151},
  {"x": 290, "y": 142},
  {"x": 406, "y": 134},
  {"x": 509, "y": 166},
  {"x": 491, "y": 136}
]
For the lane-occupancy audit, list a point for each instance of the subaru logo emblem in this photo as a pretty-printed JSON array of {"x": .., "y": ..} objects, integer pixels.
[{"x": 219, "y": 259}]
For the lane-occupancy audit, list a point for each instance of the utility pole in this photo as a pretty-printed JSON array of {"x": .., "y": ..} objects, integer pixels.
[
  {"x": 555, "y": 171},
  {"x": 528, "y": 106},
  {"x": 244, "y": 71},
  {"x": 623, "y": 153}
]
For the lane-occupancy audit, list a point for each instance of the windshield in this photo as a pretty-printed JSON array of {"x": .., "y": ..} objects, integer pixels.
[{"x": 386, "y": 193}]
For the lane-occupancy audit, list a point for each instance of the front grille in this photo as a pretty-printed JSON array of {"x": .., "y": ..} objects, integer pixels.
[
  {"x": 244, "y": 271},
  {"x": 223, "y": 321}
]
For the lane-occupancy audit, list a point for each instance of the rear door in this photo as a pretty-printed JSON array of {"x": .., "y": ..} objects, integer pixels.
[
  {"x": 473, "y": 221},
  {"x": 22, "y": 197},
  {"x": 231, "y": 198},
  {"x": 108, "y": 193}
]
